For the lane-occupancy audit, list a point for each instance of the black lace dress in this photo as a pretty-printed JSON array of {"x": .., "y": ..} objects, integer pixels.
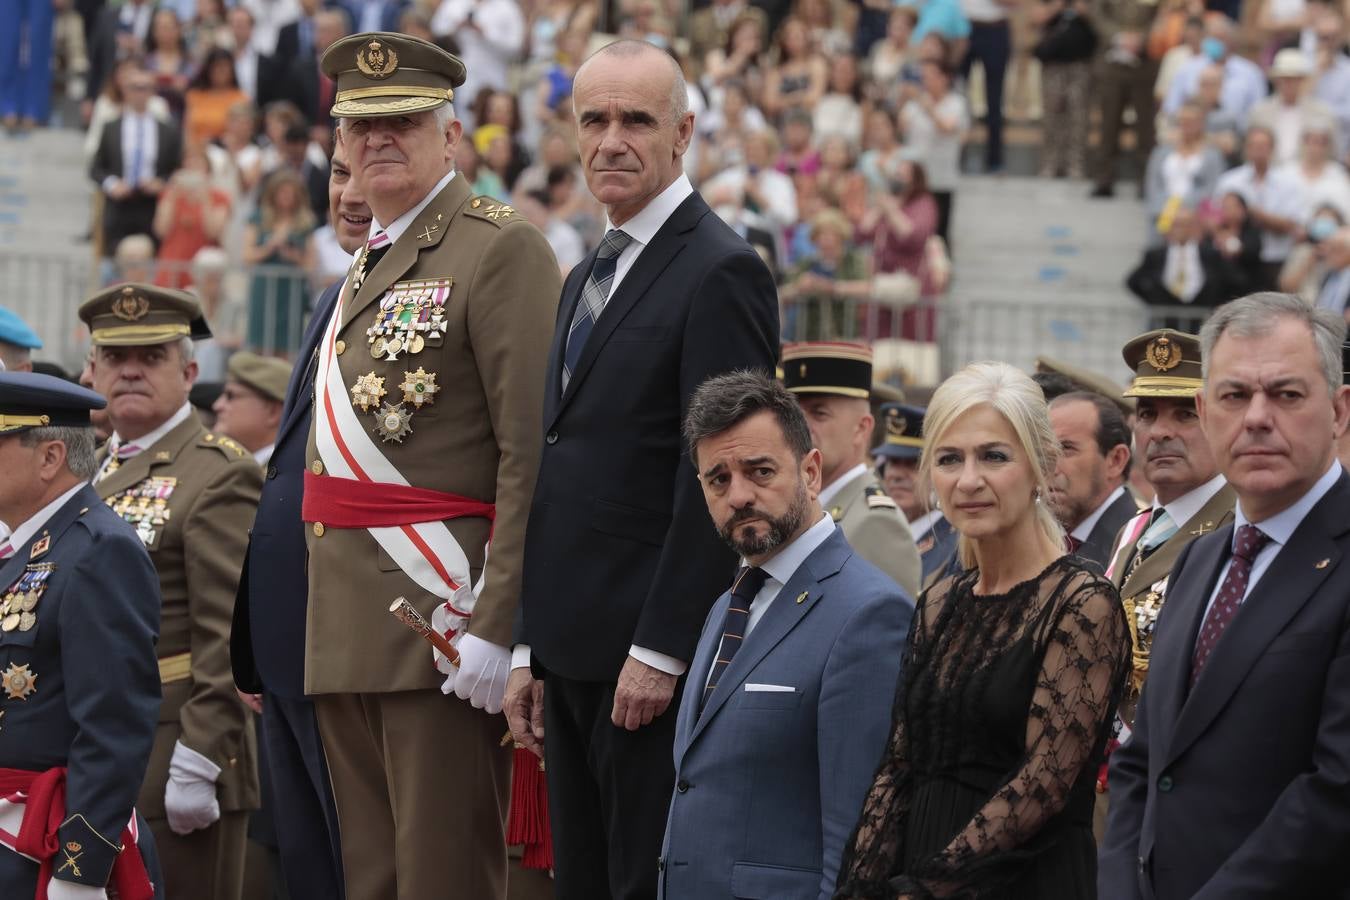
[{"x": 987, "y": 785}]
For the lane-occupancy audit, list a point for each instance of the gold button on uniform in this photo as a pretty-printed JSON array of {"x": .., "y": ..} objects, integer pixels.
[
  {"x": 340, "y": 346},
  {"x": 316, "y": 467},
  {"x": 318, "y": 529}
]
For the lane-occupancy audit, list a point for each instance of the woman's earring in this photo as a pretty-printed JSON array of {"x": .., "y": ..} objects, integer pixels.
[{"x": 1036, "y": 495}]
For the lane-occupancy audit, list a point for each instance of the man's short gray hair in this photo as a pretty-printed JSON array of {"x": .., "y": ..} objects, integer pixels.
[
  {"x": 629, "y": 48},
  {"x": 1256, "y": 315},
  {"x": 186, "y": 350},
  {"x": 79, "y": 443},
  {"x": 443, "y": 115}
]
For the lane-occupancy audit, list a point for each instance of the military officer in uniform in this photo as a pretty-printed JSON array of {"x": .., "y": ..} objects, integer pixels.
[
  {"x": 79, "y": 688},
  {"x": 249, "y": 407},
  {"x": 832, "y": 382},
  {"x": 424, "y": 447},
  {"x": 898, "y": 469},
  {"x": 1191, "y": 496},
  {"x": 190, "y": 494}
]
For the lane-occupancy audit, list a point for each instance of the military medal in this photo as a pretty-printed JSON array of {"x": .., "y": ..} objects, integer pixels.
[
  {"x": 19, "y": 682},
  {"x": 145, "y": 505},
  {"x": 10, "y": 622},
  {"x": 419, "y": 387},
  {"x": 367, "y": 391},
  {"x": 27, "y": 621},
  {"x": 411, "y": 317},
  {"x": 394, "y": 423}
]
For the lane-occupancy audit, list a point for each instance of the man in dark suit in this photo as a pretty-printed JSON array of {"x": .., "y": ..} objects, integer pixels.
[
  {"x": 268, "y": 635},
  {"x": 1088, "y": 491},
  {"x": 117, "y": 32},
  {"x": 620, "y": 564},
  {"x": 77, "y": 654},
  {"x": 778, "y": 666},
  {"x": 136, "y": 155},
  {"x": 303, "y": 81},
  {"x": 1236, "y": 780},
  {"x": 1187, "y": 269}
]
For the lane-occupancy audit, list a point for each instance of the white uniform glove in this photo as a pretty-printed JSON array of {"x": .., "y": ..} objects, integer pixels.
[
  {"x": 68, "y": 890},
  {"x": 190, "y": 796},
  {"x": 481, "y": 676}
]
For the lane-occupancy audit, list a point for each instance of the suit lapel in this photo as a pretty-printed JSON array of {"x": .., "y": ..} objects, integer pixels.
[
  {"x": 434, "y": 222},
  {"x": 1215, "y": 514},
  {"x": 779, "y": 620},
  {"x": 576, "y": 281},
  {"x": 651, "y": 262},
  {"x": 698, "y": 676},
  {"x": 298, "y": 394},
  {"x": 1295, "y": 574}
]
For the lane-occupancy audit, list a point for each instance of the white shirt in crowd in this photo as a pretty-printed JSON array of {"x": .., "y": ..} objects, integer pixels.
[
  {"x": 780, "y": 198},
  {"x": 984, "y": 11},
  {"x": 269, "y": 16},
  {"x": 1182, "y": 267},
  {"x": 1330, "y": 188},
  {"x": 488, "y": 48},
  {"x": 140, "y": 147},
  {"x": 1244, "y": 86},
  {"x": 940, "y": 153},
  {"x": 1277, "y": 194}
]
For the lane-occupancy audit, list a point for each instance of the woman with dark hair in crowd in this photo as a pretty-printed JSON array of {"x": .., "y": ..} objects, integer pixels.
[
  {"x": 840, "y": 111},
  {"x": 1014, "y": 670},
  {"x": 167, "y": 59},
  {"x": 1238, "y": 241},
  {"x": 880, "y": 160},
  {"x": 275, "y": 240},
  {"x": 741, "y": 59},
  {"x": 800, "y": 78},
  {"x": 209, "y": 98}
]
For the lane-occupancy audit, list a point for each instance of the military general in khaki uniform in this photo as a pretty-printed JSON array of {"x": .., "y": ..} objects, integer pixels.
[
  {"x": 191, "y": 495},
  {"x": 1191, "y": 496},
  {"x": 832, "y": 381},
  {"x": 424, "y": 447}
]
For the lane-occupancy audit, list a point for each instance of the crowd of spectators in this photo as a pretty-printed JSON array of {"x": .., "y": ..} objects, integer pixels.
[{"x": 829, "y": 134}]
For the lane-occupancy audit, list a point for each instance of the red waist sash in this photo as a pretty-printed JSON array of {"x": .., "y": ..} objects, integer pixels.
[
  {"x": 348, "y": 503},
  {"x": 44, "y": 811}
]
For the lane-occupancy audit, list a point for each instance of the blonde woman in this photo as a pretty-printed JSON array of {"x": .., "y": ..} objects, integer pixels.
[{"x": 1015, "y": 668}]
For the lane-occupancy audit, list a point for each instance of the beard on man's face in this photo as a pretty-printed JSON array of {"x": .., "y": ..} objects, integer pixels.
[{"x": 749, "y": 542}]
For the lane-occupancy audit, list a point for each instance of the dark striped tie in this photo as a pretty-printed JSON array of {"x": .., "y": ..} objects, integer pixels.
[
  {"x": 594, "y": 296},
  {"x": 749, "y": 581}
]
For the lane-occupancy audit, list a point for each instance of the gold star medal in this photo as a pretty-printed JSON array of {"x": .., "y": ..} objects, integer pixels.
[
  {"x": 419, "y": 387},
  {"x": 395, "y": 423},
  {"x": 19, "y": 682},
  {"x": 367, "y": 391}
]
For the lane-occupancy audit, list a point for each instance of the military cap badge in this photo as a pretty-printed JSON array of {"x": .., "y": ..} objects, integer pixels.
[
  {"x": 130, "y": 306},
  {"x": 1163, "y": 354},
  {"x": 376, "y": 59}
]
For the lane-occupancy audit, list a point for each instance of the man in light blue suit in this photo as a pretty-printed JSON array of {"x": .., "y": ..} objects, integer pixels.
[{"x": 788, "y": 702}]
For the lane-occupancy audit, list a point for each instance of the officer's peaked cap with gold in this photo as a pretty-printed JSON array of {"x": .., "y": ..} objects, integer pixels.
[
  {"x": 1166, "y": 363},
  {"x": 379, "y": 74},
  {"x": 828, "y": 367},
  {"x": 134, "y": 315},
  {"x": 904, "y": 431},
  {"x": 29, "y": 400}
]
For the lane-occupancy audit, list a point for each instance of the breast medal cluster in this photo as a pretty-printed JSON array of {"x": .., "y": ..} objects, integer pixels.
[
  {"x": 411, "y": 318},
  {"x": 18, "y": 606},
  {"x": 145, "y": 505}
]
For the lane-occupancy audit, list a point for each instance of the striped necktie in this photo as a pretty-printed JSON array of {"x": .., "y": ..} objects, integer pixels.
[
  {"x": 748, "y": 583},
  {"x": 593, "y": 299},
  {"x": 371, "y": 254},
  {"x": 116, "y": 455},
  {"x": 1159, "y": 531}
]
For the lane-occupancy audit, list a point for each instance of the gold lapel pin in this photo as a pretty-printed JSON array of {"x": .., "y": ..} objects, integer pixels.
[
  {"x": 1323, "y": 564},
  {"x": 802, "y": 596}
]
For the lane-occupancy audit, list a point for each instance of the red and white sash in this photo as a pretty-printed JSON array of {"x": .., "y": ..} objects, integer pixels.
[{"x": 426, "y": 551}]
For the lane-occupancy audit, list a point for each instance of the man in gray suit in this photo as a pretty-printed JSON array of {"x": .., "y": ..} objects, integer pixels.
[{"x": 787, "y": 708}]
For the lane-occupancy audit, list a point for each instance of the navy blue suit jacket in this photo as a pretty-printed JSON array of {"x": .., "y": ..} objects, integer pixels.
[
  {"x": 274, "y": 586},
  {"x": 1240, "y": 788}
]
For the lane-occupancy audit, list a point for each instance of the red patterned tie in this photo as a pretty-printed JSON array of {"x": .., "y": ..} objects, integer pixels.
[
  {"x": 6, "y": 549},
  {"x": 1250, "y": 540}
]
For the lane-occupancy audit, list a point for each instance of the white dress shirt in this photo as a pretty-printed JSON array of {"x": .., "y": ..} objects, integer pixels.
[
  {"x": 642, "y": 228},
  {"x": 1085, "y": 527},
  {"x": 1189, "y": 504},
  {"x": 1279, "y": 528},
  {"x": 1277, "y": 194},
  {"x": 145, "y": 441},
  {"x": 1182, "y": 263},
  {"x": 780, "y": 570},
  {"x": 488, "y": 49},
  {"x": 140, "y": 147},
  {"x": 264, "y": 456},
  {"x": 29, "y": 527}
]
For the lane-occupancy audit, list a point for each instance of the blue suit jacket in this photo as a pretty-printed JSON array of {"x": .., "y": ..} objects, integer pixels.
[
  {"x": 770, "y": 784},
  {"x": 274, "y": 587},
  {"x": 1240, "y": 788}
]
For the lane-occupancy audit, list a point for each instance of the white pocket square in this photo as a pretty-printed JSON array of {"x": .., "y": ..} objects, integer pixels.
[{"x": 750, "y": 687}]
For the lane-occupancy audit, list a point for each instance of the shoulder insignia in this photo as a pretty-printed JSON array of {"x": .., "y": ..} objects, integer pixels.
[
  {"x": 231, "y": 448},
  {"x": 877, "y": 498},
  {"x": 491, "y": 210},
  {"x": 836, "y": 513},
  {"x": 40, "y": 547},
  {"x": 926, "y": 543}
]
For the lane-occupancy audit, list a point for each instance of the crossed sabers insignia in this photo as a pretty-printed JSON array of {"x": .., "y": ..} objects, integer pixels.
[{"x": 71, "y": 864}]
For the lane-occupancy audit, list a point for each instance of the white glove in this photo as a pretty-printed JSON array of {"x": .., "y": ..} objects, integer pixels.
[
  {"x": 190, "y": 796},
  {"x": 481, "y": 677},
  {"x": 69, "y": 890}
]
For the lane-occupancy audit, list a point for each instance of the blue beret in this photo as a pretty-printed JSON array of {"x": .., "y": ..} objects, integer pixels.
[
  {"x": 28, "y": 400},
  {"x": 14, "y": 330}
]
